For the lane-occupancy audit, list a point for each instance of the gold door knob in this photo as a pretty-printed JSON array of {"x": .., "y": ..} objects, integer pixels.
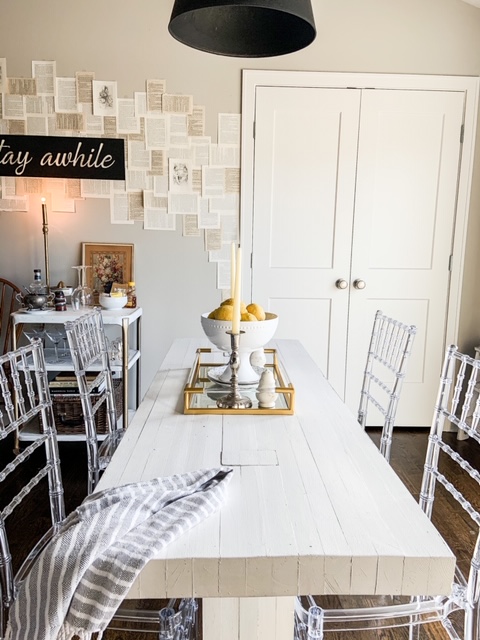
[
  {"x": 359, "y": 284},
  {"x": 341, "y": 283}
]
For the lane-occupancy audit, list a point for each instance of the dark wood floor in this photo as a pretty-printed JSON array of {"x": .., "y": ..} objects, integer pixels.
[{"x": 407, "y": 459}]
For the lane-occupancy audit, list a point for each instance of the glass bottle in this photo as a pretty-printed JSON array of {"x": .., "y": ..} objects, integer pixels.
[
  {"x": 131, "y": 296},
  {"x": 37, "y": 286}
]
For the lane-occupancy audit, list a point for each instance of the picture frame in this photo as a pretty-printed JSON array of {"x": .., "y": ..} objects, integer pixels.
[
  {"x": 104, "y": 98},
  {"x": 110, "y": 263}
]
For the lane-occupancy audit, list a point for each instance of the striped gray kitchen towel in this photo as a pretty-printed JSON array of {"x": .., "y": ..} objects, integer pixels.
[{"x": 81, "y": 577}]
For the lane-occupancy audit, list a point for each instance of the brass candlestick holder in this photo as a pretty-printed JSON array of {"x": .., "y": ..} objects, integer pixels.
[
  {"x": 45, "y": 245},
  {"x": 234, "y": 399}
]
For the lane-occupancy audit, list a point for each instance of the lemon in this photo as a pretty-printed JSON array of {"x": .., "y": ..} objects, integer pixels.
[
  {"x": 248, "y": 317},
  {"x": 224, "y": 312},
  {"x": 256, "y": 310},
  {"x": 116, "y": 294},
  {"x": 229, "y": 302}
]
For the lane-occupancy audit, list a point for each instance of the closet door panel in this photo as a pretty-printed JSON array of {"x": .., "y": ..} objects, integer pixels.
[
  {"x": 305, "y": 162},
  {"x": 407, "y": 178}
]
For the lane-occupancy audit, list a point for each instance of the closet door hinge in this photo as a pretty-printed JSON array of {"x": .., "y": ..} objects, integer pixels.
[
  {"x": 450, "y": 262},
  {"x": 253, "y": 130},
  {"x": 462, "y": 133}
]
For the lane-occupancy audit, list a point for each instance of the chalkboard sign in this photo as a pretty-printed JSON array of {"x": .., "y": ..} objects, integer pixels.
[{"x": 62, "y": 157}]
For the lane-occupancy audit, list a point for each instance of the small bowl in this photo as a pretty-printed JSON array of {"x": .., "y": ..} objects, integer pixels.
[
  {"x": 67, "y": 291},
  {"x": 115, "y": 302}
]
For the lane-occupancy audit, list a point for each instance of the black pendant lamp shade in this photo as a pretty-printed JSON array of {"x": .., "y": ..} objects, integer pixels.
[{"x": 243, "y": 28}]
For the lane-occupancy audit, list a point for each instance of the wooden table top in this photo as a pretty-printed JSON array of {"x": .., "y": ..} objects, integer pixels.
[{"x": 312, "y": 506}]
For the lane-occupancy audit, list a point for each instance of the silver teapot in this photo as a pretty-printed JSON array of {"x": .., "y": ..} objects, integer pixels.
[{"x": 34, "y": 300}]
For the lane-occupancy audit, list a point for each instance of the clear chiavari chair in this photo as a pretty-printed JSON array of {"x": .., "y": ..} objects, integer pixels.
[
  {"x": 25, "y": 397},
  {"x": 89, "y": 350},
  {"x": 180, "y": 623},
  {"x": 177, "y": 620},
  {"x": 388, "y": 354},
  {"x": 446, "y": 474}
]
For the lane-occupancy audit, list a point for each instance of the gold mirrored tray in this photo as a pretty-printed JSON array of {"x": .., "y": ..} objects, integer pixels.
[{"x": 201, "y": 392}]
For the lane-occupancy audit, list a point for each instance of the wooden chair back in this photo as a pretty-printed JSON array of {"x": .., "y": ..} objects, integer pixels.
[{"x": 8, "y": 304}]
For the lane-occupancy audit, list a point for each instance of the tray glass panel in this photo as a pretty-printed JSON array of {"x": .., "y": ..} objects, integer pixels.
[{"x": 202, "y": 391}]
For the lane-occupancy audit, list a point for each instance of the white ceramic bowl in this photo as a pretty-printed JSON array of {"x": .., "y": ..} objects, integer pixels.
[
  {"x": 256, "y": 335},
  {"x": 115, "y": 302},
  {"x": 67, "y": 291}
]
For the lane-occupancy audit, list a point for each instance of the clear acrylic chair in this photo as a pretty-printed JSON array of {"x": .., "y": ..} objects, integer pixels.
[
  {"x": 25, "y": 397},
  {"x": 177, "y": 620},
  {"x": 89, "y": 350},
  {"x": 388, "y": 354},
  {"x": 445, "y": 473}
]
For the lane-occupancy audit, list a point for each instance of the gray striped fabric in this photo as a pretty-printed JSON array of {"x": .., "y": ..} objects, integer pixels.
[{"x": 82, "y": 576}]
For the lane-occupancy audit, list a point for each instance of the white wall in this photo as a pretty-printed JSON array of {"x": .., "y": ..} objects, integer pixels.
[{"x": 129, "y": 43}]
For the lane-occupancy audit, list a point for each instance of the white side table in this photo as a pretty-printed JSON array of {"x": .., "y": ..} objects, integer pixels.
[{"x": 123, "y": 318}]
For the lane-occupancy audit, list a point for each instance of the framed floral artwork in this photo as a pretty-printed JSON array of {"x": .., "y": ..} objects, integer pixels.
[{"x": 110, "y": 263}]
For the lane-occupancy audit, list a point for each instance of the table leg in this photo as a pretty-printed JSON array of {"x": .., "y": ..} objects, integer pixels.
[
  {"x": 266, "y": 618},
  {"x": 138, "y": 367},
  {"x": 125, "y": 326}
]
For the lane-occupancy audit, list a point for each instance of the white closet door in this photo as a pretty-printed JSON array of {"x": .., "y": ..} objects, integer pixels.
[
  {"x": 305, "y": 163},
  {"x": 407, "y": 180}
]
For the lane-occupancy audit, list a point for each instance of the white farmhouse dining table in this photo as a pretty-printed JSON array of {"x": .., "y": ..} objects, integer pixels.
[{"x": 312, "y": 506}]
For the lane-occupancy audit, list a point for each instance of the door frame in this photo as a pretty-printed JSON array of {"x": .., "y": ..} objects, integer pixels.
[{"x": 251, "y": 79}]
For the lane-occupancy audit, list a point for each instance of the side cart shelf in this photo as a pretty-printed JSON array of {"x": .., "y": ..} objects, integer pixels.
[{"x": 131, "y": 354}]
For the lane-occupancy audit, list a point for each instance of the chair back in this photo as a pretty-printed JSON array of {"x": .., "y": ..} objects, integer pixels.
[
  {"x": 458, "y": 409},
  {"x": 25, "y": 397},
  {"x": 388, "y": 354},
  {"x": 8, "y": 304},
  {"x": 89, "y": 351}
]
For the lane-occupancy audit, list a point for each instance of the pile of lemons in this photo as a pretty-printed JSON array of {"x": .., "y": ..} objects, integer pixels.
[{"x": 248, "y": 313}]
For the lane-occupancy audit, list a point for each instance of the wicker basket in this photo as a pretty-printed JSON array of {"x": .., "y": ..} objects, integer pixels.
[{"x": 67, "y": 410}]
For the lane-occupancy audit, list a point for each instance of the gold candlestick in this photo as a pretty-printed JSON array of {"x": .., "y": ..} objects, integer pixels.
[{"x": 45, "y": 243}]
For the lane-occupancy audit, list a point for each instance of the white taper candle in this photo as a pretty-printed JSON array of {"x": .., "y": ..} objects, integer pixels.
[
  {"x": 238, "y": 293},
  {"x": 232, "y": 271}
]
